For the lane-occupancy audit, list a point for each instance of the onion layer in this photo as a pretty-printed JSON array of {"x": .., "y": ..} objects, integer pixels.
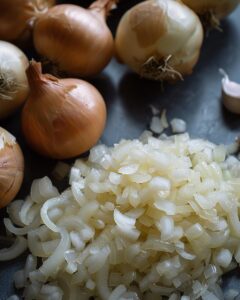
[
  {"x": 75, "y": 39},
  {"x": 159, "y": 40},
  {"x": 63, "y": 117}
]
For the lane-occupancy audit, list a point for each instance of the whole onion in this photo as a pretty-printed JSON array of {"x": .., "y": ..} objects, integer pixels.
[
  {"x": 17, "y": 18},
  {"x": 11, "y": 167},
  {"x": 74, "y": 39},
  {"x": 62, "y": 118},
  {"x": 159, "y": 39},
  {"x": 13, "y": 80},
  {"x": 217, "y": 8}
]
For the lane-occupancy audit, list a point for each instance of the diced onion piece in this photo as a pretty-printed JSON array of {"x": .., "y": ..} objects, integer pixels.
[
  {"x": 18, "y": 247},
  {"x": 129, "y": 169},
  {"x": 90, "y": 284},
  {"x": 13, "y": 210},
  {"x": 167, "y": 206},
  {"x": 102, "y": 282},
  {"x": 160, "y": 184},
  {"x": 156, "y": 125},
  {"x": 117, "y": 292},
  {"x": 194, "y": 232},
  {"x": 210, "y": 271},
  {"x": 53, "y": 263},
  {"x": 224, "y": 258},
  {"x": 166, "y": 226},
  {"x": 178, "y": 125},
  {"x": 122, "y": 220}
]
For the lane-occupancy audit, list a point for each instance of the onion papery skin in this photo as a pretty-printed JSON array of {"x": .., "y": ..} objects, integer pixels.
[
  {"x": 11, "y": 171},
  {"x": 17, "y": 18},
  {"x": 219, "y": 8},
  {"x": 76, "y": 40},
  {"x": 160, "y": 40},
  {"x": 14, "y": 87},
  {"x": 63, "y": 118}
]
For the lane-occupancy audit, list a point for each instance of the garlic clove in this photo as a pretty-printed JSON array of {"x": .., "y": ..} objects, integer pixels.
[{"x": 230, "y": 93}]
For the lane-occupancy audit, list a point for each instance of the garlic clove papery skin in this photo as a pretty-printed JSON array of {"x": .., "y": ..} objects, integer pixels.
[
  {"x": 218, "y": 8},
  {"x": 159, "y": 39},
  {"x": 230, "y": 94},
  {"x": 11, "y": 168}
]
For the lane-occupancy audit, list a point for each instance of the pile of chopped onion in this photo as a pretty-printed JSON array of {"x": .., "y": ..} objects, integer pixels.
[{"x": 145, "y": 219}]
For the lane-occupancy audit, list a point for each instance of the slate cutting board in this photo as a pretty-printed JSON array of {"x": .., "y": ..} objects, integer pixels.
[{"x": 197, "y": 100}]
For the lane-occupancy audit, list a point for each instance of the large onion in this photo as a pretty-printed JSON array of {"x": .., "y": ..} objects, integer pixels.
[
  {"x": 159, "y": 39},
  {"x": 17, "y": 16},
  {"x": 75, "y": 39},
  {"x": 11, "y": 167},
  {"x": 62, "y": 118}
]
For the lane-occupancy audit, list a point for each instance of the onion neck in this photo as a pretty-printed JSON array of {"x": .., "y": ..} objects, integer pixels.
[
  {"x": 102, "y": 7},
  {"x": 36, "y": 79}
]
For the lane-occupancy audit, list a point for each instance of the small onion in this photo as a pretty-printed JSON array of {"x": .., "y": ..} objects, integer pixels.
[
  {"x": 75, "y": 39},
  {"x": 62, "y": 118},
  {"x": 218, "y": 9},
  {"x": 159, "y": 39},
  {"x": 11, "y": 167},
  {"x": 13, "y": 79},
  {"x": 17, "y": 18}
]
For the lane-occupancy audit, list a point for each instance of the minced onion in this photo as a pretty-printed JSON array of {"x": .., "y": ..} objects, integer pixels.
[
  {"x": 109, "y": 236},
  {"x": 159, "y": 39}
]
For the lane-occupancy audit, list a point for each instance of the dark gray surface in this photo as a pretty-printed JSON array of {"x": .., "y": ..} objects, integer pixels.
[{"x": 197, "y": 100}]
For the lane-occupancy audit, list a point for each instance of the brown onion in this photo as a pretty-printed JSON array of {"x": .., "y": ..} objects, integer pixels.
[
  {"x": 76, "y": 40},
  {"x": 11, "y": 167},
  {"x": 62, "y": 118},
  {"x": 17, "y": 16},
  {"x": 215, "y": 8}
]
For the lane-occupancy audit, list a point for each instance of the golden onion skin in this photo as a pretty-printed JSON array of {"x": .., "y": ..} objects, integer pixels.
[
  {"x": 62, "y": 118},
  {"x": 159, "y": 40},
  {"x": 17, "y": 17},
  {"x": 11, "y": 171},
  {"x": 75, "y": 39},
  {"x": 219, "y": 8}
]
